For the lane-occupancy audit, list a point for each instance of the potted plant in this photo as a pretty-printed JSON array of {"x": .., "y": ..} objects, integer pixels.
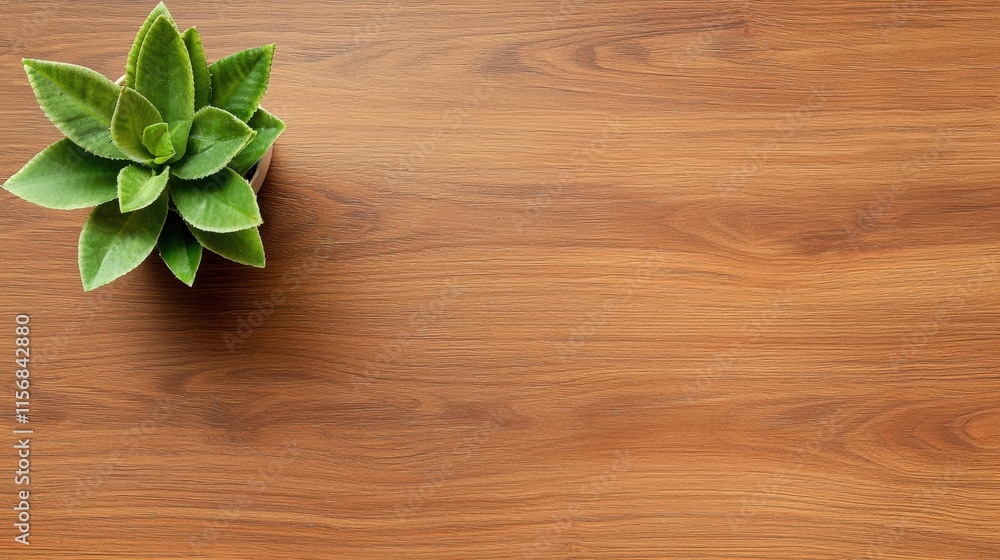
[{"x": 163, "y": 156}]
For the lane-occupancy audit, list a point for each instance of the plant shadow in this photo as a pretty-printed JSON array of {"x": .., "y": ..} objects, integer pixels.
[{"x": 238, "y": 325}]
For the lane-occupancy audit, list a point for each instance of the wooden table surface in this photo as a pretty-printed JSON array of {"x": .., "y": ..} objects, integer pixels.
[{"x": 567, "y": 279}]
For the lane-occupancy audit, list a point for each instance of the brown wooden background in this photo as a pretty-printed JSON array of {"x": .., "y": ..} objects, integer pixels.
[{"x": 561, "y": 279}]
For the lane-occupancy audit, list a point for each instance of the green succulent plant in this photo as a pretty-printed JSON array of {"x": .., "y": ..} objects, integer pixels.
[{"x": 162, "y": 156}]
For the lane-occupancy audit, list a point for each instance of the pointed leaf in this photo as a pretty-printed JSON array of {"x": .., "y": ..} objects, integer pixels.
[
  {"x": 267, "y": 127},
  {"x": 240, "y": 80},
  {"x": 179, "y": 249},
  {"x": 133, "y": 53},
  {"x": 244, "y": 246},
  {"x": 79, "y": 101},
  {"x": 139, "y": 186},
  {"x": 156, "y": 139},
  {"x": 112, "y": 243},
  {"x": 222, "y": 203},
  {"x": 163, "y": 75},
  {"x": 133, "y": 114},
  {"x": 199, "y": 66},
  {"x": 64, "y": 176},
  {"x": 216, "y": 136}
]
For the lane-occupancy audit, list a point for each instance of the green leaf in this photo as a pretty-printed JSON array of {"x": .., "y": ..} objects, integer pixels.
[
  {"x": 240, "y": 80},
  {"x": 79, "y": 101},
  {"x": 112, "y": 243},
  {"x": 163, "y": 75},
  {"x": 267, "y": 127},
  {"x": 244, "y": 246},
  {"x": 219, "y": 203},
  {"x": 216, "y": 136},
  {"x": 199, "y": 66},
  {"x": 64, "y": 176},
  {"x": 133, "y": 53},
  {"x": 156, "y": 139},
  {"x": 133, "y": 115},
  {"x": 179, "y": 249},
  {"x": 139, "y": 186}
]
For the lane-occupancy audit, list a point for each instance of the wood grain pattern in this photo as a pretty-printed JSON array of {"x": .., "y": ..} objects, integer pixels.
[{"x": 567, "y": 279}]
